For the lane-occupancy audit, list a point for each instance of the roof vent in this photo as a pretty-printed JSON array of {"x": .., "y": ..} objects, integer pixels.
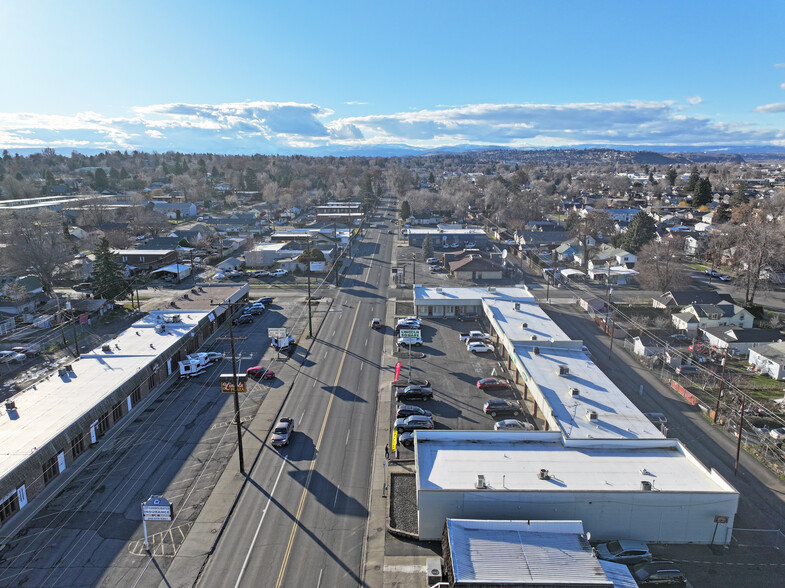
[
  {"x": 534, "y": 337},
  {"x": 645, "y": 486},
  {"x": 517, "y": 306},
  {"x": 439, "y": 290},
  {"x": 536, "y": 351},
  {"x": 575, "y": 392},
  {"x": 543, "y": 475},
  {"x": 524, "y": 325},
  {"x": 480, "y": 484},
  {"x": 591, "y": 415},
  {"x": 106, "y": 348},
  {"x": 491, "y": 289},
  {"x": 564, "y": 370}
]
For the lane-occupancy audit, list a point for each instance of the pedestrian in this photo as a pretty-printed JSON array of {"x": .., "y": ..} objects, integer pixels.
[{"x": 387, "y": 452}]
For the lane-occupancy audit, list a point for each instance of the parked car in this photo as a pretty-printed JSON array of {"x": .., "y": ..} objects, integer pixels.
[
  {"x": 260, "y": 372},
  {"x": 498, "y": 407},
  {"x": 282, "y": 432},
  {"x": 406, "y": 439},
  {"x": 656, "y": 418},
  {"x": 260, "y": 274},
  {"x": 83, "y": 287},
  {"x": 414, "y": 393},
  {"x": 777, "y": 433},
  {"x": 512, "y": 425},
  {"x": 687, "y": 369},
  {"x": 265, "y": 300},
  {"x": 256, "y": 309},
  {"x": 209, "y": 356},
  {"x": 243, "y": 319},
  {"x": 725, "y": 278},
  {"x": 28, "y": 350},
  {"x": 657, "y": 573},
  {"x": 431, "y": 260},
  {"x": 405, "y": 341},
  {"x": 478, "y": 347},
  {"x": 493, "y": 384},
  {"x": 473, "y": 334},
  {"x": 376, "y": 323},
  {"x": 406, "y": 410},
  {"x": 713, "y": 273},
  {"x": 413, "y": 423},
  {"x": 12, "y": 357},
  {"x": 624, "y": 551}
]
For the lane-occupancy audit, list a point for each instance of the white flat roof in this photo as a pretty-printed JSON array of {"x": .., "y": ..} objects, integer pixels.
[
  {"x": 617, "y": 416},
  {"x": 510, "y": 321},
  {"x": 269, "y": 246},
  {"x": 471, "y": 295},
  {"x": 452, "y": 460},
  {"x": 53, "y": 404},
  {"x": 436, "y": 230}
]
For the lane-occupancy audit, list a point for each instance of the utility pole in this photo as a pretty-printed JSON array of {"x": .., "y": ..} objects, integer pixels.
[
  {"x": 613, "y": 329},
  {"x": 338, "y": 257},
  {"x": 722, "y": 380},
  {"x": 73, "y": 325},
  {"x": 738, "y": 442},
  {"x": 308, "y": 273},
  {"x": 193, "y": 270},
  {"x": 230, "y": 311}
]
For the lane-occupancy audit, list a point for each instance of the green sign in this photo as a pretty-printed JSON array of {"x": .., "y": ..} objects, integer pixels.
[{"x": 410, "y": 332}]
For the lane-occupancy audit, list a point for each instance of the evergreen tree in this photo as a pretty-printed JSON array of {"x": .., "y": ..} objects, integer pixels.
[
  {"x": 108, "y": 279},
  {"x": 671, "y": 176},
  {"x": 366, "y": 192},
  {"x": 692, "y": 183},
  {"x": 50, "y": 178},
  {"x": 202, "y": 167},
  {"x": 702, "y": 194},
  {"x": 431, "y": 179},
  {"x": 427, "y": 247},
  {"x": 101, "y": 181},
  {"x": 721, "y": 214},
  {"x": 250, "y": 181},
  {"x": 406, "y": 210},
  {"x": 740, "y": 195},
  {"x": 642, "y": 229}
]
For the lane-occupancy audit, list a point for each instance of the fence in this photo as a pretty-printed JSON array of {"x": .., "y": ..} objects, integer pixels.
[{"x": 758, "y": 538}]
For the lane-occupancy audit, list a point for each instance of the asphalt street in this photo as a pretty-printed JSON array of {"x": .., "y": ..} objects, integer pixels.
[{"x": 301, "y": 520}]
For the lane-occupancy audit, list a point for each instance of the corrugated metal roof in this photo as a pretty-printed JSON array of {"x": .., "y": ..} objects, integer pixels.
[{"x": 523, "y": 552}]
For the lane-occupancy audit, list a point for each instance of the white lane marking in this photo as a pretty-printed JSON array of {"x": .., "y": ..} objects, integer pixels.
[
  {"x": 334, "y": 332},
  {"x": 259, "y": 526},
  {"x": 319, "y": 583},
  {"x": 301, "y": 417},
  {"x": 314, "y": 383},
  {"x": 366, "y": 342},
  {"x": 325, "y": 353},
  {"x": 337, "y": 488},
  {"x": 347, "y": 436},
  {"x": 361, "y": 366}
]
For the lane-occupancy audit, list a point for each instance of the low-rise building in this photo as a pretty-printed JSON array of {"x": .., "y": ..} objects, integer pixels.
[
  {"x": 769, "y": 359},
  {"x": 740, "y": 340}
]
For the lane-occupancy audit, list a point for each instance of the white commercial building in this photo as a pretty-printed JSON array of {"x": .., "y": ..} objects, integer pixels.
[{"x": 652, "y": 490}]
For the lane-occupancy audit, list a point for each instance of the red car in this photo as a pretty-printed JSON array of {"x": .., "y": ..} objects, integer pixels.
[
  {"x": 493, "y": 384},
  {"x": 260, "y": 372}
]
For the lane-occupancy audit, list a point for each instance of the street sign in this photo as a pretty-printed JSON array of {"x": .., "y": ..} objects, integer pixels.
[
  {"x": 227, "y": 383},
  {"x": 157, "y": 508},
  {"x": 410, "y": 332},
  {"x": 275, "y": 332}
]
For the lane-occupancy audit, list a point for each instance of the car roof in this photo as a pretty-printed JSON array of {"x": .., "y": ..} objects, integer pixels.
[
  {"x": 418, "y": 417},
  {"x": 632, "y": 544}
]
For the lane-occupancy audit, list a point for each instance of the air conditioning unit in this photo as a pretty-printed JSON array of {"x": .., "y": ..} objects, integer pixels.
[
  {"x": 491, "y": 289},
  {"x": 433, "y": 566},
  {"x": 645, "y": 486},
  {"x": 517, "y": 306},
  {"x": 591, "y": 415},
  {"x": 106, "y": 348},
  {"x": 536, "y": 351},
  {"x": 480, "y": 484},
  {"x": 575, "y": 392},
  {"x": 524, "y": 325},
  {"x": 563, "y": 370},
  {"x": 439, "y": 290},
  {"x": 534, "y": 337}
]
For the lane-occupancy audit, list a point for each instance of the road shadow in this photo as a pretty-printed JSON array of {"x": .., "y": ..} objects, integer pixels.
[{"x": 343, "y": 394}]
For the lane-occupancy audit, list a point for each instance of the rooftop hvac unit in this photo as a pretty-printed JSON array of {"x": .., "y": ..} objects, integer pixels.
[
  {"x": 439, "y": 290},
  {"x": 563, "y": 370},
  {"x": 10, "y": 405},
  {"x": 543, "y": 474},
  {"x": 534, "y": 337},
  {"x": 433, "y": 565},
  {"x": 172, "y": 318},
  {"x": 591, "y": 415},
  {"x": 491, "y": 289},
  {"x": 575, "y": 392},
  {"x": 480, "y": 482},
  {"x": 645, "y": 486},
  {"x": 517, "y": 306},
  {"x": 106, "y": 347},
  {"x": 536, "y": 351},
  {"x": 524, "y": 325}
]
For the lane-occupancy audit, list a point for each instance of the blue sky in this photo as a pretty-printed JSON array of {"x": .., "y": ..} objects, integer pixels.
[{"x": 267, "y": 77}]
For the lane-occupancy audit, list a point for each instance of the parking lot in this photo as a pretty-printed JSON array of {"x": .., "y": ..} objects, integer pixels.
[{"x": 452, "y": 371}]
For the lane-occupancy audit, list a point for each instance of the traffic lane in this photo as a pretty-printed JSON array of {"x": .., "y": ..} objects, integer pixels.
[{"x": 761, "y": 504}]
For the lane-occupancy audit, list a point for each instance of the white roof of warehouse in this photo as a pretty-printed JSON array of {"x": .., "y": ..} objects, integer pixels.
[
  {"x": 53, "y": 404},
  {"x": 522, "y": 552},
  {"x": 617, "y": 416},
  {"x": 269, "y": 246},
  {"x": 510, "y": 321},
  {"x": 452, "y": 460}
]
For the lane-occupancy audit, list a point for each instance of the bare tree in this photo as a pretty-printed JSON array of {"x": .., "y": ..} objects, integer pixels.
[
  {"x": 37, "y": 245},
  {"x": 659, "y": 264},
  {"x": 758, "y": 243}
]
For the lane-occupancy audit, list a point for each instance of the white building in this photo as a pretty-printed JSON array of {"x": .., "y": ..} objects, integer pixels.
[{"x": 652, "y": 490}]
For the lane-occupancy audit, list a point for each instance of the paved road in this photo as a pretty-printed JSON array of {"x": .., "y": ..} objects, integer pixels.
[{"x": 301, "y": 521}]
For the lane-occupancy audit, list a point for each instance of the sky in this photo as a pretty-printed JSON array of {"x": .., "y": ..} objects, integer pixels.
[{"x": 319, "y": 77}]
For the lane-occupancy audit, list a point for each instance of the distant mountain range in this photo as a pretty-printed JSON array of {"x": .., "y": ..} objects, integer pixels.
[{"x": 402, "y": 150}]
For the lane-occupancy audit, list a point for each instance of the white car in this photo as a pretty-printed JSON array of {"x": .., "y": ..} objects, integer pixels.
[
  {"x": 512, "y": 425},
  {"x": 404, "y": 341},
  {"x": 12, "y": 357},
  {"x": 479, "y": 347},
  {"x": 431, "y": 260},
  {"x": 277, "y": 273},
  {"x": 777, "y": 433}
]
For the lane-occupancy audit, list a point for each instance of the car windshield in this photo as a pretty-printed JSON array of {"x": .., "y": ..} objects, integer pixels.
[
  {"x": 614, "y": 547},
  {"x": 280, "y": 430}
]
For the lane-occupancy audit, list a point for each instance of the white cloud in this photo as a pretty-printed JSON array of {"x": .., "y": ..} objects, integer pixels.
[
  {"x": 782, "y": 85},
  {"x": 771, "y": 108},
  {"x": 281, "y": 127},
  {"x": 355, "y": 102}
]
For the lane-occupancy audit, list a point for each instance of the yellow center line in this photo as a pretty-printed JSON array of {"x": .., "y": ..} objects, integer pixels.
[{"x": 288, "y": 551}]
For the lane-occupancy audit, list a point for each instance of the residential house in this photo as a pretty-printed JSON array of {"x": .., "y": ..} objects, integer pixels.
[
  {"x": 175, "y": 210},
  {"x": 706, "y": 316},
  {"x": 146, "y": 259},
  {"x": 616, "y": 214},
  {"x": 160, "y": 243},
  {"x": 695, "y": 244},
  {"x": 769, "y": 359},
  {"x": 682, "y": 298},
  {"x": 476, "y": 267},
  {"x": 192, "y": 236},
  {"x": 740, "y": 340},
  {"x": 646, "y": 346}
]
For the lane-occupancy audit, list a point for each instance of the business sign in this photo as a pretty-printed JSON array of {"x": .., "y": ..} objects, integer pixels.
[
  {"x": 276, "y": 332},
  {"x": 410, "y": 332},
  {"x": 227, "y": 383},
  {"x": 319, "y": 266},
  {"x": 157, "y": 508}
]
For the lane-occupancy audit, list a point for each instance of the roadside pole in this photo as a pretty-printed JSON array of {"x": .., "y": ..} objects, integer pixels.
[{"x": 722, "y": 380}]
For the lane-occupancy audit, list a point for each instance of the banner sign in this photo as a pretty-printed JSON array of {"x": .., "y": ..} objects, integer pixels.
[
  {"x": 227, "y": 383},
  {"x": 397, "y": 371},
  {"x": 276, "y": 332},
  {"x": 394, "y": 440}
]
